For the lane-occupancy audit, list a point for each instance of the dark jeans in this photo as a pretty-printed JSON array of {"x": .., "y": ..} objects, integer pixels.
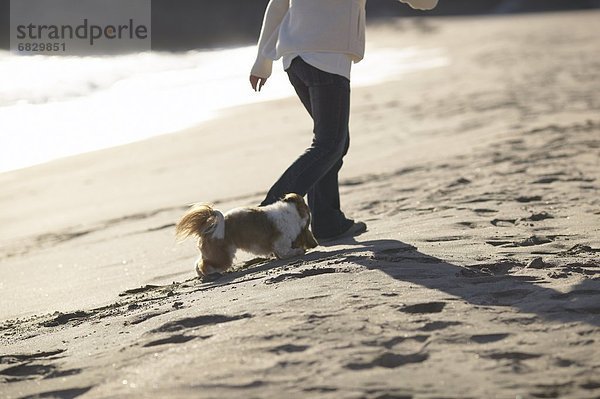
[{"x": 326, "y": 97}]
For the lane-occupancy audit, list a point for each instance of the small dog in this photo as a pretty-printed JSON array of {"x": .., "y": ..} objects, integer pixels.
[{"x": 279, "y": 229}]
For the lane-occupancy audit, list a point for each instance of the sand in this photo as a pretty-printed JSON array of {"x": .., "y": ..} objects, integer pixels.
[{"x": 479, "y": 275}]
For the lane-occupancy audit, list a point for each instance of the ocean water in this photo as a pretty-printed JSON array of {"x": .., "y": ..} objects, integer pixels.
[{"x": 53, "y": 107}]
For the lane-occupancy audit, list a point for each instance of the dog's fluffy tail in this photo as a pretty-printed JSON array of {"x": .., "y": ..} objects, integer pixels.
[{"x": 200, "y": 220}]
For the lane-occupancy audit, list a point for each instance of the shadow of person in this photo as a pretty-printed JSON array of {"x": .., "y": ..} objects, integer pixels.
[{"x": 488, "y": 285}]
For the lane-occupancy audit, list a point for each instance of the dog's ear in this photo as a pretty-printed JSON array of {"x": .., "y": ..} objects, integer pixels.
[
  {"x": 292, "y": 197},
  {"x": 296, "y": 199}
]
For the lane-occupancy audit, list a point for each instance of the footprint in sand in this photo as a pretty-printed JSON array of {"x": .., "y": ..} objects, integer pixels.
[
  {"x": 520, "y": 321},
  {"x": 592, "y": 385},
  {"x": 8, "y": 359},
  {"x": 446, "y": 238},
  {"x": 534, "y": 240},
  {"x": 579, "y": 249},
  {"x": 406, "y": 254},
  {"x": 499, "y": 268},
  {"x": 189, "y": 323},
  {"x": 546, "y": 180},
  {"x": 70, "y": 393},
  {"x": 471, "y": 225},
  {"x": 484, "y": 211},
  {"x": 503, "y": 222},
  {"x": 487, "y": 338},
  {"x": 142, "y": 318},
  {"x": 528, "y": 198},
  {"x": 174, "y": 339},
  {"x": 439, "y": 325},
  {"x": 27, "y": 371},
  {"x": 459, "y": 182},
  {"x": 29, "y": 366},
  {"x": 560, "y": 362},
  {"x": 192, "y": 322},
  {"x": 536, "y": 217},
  {"x": 34, "y": 371},
  {"x": 509, "y": 297},
  {"x": 513, "y": 356},
  {"x": 64, "y": 318},
  {"x": 422, "y": 308},
  {"x": 527, "y": 242},
  {"x": 397, "y": 250},
  {"x": 389, "y": 360},
  {"x": 301, "y": 274},
  {"x": 575, "y": 294},
  {"x": 145, "y": 288},
  {"x": 289, "y": 348},
  {"x": 390, "y": 343}
]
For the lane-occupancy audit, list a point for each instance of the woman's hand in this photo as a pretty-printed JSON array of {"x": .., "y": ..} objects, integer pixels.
[{"x": 257, "y": 83}]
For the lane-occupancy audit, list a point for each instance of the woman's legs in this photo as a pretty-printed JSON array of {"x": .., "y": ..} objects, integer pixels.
[{"x": 326, "y": 97}]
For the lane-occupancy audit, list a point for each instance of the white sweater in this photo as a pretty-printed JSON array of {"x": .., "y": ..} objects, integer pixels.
[{"x": 296, "y": 26}]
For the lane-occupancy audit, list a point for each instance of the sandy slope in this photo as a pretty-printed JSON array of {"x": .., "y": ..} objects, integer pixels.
[{"x": 465, "y": 174}]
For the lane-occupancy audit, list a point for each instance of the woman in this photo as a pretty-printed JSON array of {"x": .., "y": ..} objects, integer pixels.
[{"x": 318, "y": 41}]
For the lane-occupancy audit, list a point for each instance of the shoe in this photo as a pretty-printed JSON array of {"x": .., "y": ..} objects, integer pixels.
[{"x": 355, "y": 229}]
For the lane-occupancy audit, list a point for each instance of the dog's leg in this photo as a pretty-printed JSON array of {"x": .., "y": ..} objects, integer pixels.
[
  {"x": 204, "y": 269},
  {"x": 305, "y": 240},
  {"x": 198, "y": 267},
  {"x": 284, "y": 250}
]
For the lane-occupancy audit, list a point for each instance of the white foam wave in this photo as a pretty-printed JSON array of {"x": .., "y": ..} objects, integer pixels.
[{"x": 52, "y": 107}]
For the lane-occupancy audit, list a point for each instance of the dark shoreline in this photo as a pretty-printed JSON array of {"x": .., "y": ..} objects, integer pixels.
[{"x": 181, "y": 25}]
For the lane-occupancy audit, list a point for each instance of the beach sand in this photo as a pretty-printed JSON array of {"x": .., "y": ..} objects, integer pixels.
[{"x": 479, "y": 275}]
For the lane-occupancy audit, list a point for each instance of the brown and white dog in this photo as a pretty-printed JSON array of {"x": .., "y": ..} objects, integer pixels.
[{"x": 279, "y": 229}]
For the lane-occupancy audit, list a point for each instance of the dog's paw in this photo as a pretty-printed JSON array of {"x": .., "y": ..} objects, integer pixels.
[{"x": 290, "y": 253}]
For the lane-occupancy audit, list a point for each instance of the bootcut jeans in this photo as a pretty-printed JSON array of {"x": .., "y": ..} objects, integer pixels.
[{"x": 326, "y": 97}]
